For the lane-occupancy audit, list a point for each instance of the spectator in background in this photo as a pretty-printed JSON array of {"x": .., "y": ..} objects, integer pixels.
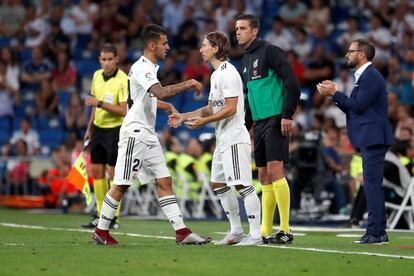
[
  {"x": 28, "y": 135},
  {"x": 404, "y": 120},
  {"x": 406, "y": 44},
  {"x": 173, "y": 15},
  {"x": 279, "y": 35},
  {"x": 407, "y": 78},
  {"x": 75, "y": 116},
  {"x": 406, "y": 133},
  {"x": 351, "y": 33},
  {"x": 64, "y": 74},
  {"x": 35, "y": 28},
  {"x": 106, "y": 28},
  {"x": 194, "y": 69},
  {"x": 402, "y": 20},
  {"x": 293, "y": 13},
  {"x": 83, "y": 16},
  {"x": 319, "y": 68},
  {"x": 9, "y": 57},
  {"x": 57, "y": 41},
  {"x": 186, "y": 40},
  {"x": 318, "y": 12},
  {"x": 124, "y": 61},
  {"x": 380, "y": 37},
  {"x": 297, "y": 66},
  {"x": 224, "y": 14},
  {"x": 134, "y": 28},
  {"x": 6, "y": 95},
  {"x": 12, "y": 14},
  {"x": 36, "y": 70},
  {"x": 46, "y": 100},
  {"x": 169, "y": 74},
  {"x": 18, "y": 177},
  {"x": 392, "y": 109},
  {"x": 302, "y": 45}
]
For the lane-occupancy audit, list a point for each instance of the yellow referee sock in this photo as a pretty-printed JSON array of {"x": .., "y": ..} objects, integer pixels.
[
  {"x": 282, "y": 194},
  {"x": 268, "y": 210},
  {"x": 118, "y": 210},
  {"x": 100, "y": 188}
]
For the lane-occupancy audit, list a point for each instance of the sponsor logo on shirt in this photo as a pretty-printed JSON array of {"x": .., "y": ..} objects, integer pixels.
[{"x": 218, "y": 103}]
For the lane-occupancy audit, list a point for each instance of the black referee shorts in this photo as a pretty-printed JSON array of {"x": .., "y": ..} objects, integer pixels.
[
  {"x": 269, "y": 144},
  {"x": 104, "y": 145}
]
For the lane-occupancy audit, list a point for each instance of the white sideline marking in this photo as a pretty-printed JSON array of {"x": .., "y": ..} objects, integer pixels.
[
  {"x": 348, "y": 236},
  {"x": 342, "y": 252},
  {"x": 14, "y": 225},
  {"x": 294, "y": 234}
]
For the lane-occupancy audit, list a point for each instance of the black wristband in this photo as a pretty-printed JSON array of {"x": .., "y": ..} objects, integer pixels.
[{"x": 100, "y": 104}]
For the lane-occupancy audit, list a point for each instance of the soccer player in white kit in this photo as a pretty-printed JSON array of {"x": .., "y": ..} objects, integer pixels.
[
  {"x": 140, "y": 154},
  {"x": 232, "y": 157}
]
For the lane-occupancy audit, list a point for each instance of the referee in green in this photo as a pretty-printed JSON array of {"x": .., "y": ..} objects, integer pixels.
[{"x": 109, "y": 91}]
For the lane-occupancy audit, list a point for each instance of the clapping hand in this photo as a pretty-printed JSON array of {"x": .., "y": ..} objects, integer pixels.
[{"x": 327, "y": 88}]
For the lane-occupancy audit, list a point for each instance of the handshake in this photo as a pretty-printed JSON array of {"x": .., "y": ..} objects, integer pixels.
[{"x": 176, "y": 119}]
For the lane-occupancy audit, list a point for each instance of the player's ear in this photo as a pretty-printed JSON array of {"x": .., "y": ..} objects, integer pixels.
[{"x": 255, "y": 31}]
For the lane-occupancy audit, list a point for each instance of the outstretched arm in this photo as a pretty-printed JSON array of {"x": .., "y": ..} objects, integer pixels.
[
  {"x": 166, "y": 106},
  {"x": 229, "y": 110},
  {"x": 175, "y": 119},
  {"x": 163, "y": 92}
]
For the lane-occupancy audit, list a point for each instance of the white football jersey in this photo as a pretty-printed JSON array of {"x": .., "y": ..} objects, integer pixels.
[
  {"x": 142, "y": 105},
  {"x": 226, "y": 83}
]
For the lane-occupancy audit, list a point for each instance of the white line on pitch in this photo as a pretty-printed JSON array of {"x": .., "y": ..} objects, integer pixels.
[{"x": 14, "y": 225}]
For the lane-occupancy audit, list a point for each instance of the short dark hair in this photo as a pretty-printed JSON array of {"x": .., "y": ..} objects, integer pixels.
[
  {"x": 222, "y": 42},
  {"x": 253, "y": 20},
  {"x": 109, "y": 48},
  {"x": 366, "y": 47},
  {"x": 152, "y": 32}
]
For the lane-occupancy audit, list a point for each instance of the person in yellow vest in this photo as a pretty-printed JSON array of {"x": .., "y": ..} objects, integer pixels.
[{"x": 108, "y": 99}]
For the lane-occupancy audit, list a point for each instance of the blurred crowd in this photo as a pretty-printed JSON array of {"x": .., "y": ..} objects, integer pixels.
[{"x": 49, "y": 52}]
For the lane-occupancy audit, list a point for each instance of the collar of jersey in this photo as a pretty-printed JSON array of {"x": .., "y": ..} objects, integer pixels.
[
  {"x": 110, "y": 76},
  {"x": 150, "y": 62}
]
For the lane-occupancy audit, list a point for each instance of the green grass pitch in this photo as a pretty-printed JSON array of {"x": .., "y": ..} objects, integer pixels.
[{"x": 35, "y": 243}]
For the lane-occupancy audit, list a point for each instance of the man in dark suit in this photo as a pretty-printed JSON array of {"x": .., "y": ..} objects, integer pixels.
[{"x": 368, "y": 130}]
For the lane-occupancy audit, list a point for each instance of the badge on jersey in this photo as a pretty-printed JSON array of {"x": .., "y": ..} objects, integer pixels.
[
  {"x": 149, "y": 76},
  {"x": 109, "y": 98}
]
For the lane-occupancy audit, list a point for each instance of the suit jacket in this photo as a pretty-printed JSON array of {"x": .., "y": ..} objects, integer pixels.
[{"x": 366, "y": 110}]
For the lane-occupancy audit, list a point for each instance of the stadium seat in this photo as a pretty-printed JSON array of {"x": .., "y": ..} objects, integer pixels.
[
  {"x": 5, "y": 123},
  {"x": 51, "y": 138},
  {"x": 64, "y": 97},
  {"x": 86, "y": 67},
  {"x": 4, "y": 137}
]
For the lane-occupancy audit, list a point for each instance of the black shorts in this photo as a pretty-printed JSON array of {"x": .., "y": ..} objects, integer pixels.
[
  {"x": 269, "y": 144},
  {"x": 104, "y": 145}
]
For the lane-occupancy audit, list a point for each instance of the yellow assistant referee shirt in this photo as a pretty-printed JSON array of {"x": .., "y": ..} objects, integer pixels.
[{"x": 113, "y": 90}]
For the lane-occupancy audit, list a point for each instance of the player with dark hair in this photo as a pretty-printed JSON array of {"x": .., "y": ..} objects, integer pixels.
[{"x": 139, "y": 153}]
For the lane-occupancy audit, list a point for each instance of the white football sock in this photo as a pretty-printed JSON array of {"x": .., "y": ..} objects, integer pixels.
[
  {"x": 109, "y": 207},
  {"x": 253, "y": 211},
  {"x": 172, "y": 211},
  {"x": 228, "y": 200}
]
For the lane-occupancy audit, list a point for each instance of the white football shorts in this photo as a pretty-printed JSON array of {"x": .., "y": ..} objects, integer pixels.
[
  {"x": 233, "y": 165},
  {"x": 137, "y": 160}
]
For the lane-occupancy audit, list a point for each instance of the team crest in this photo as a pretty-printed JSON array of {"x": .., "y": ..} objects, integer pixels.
[{"x": 148, "y": 76}]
